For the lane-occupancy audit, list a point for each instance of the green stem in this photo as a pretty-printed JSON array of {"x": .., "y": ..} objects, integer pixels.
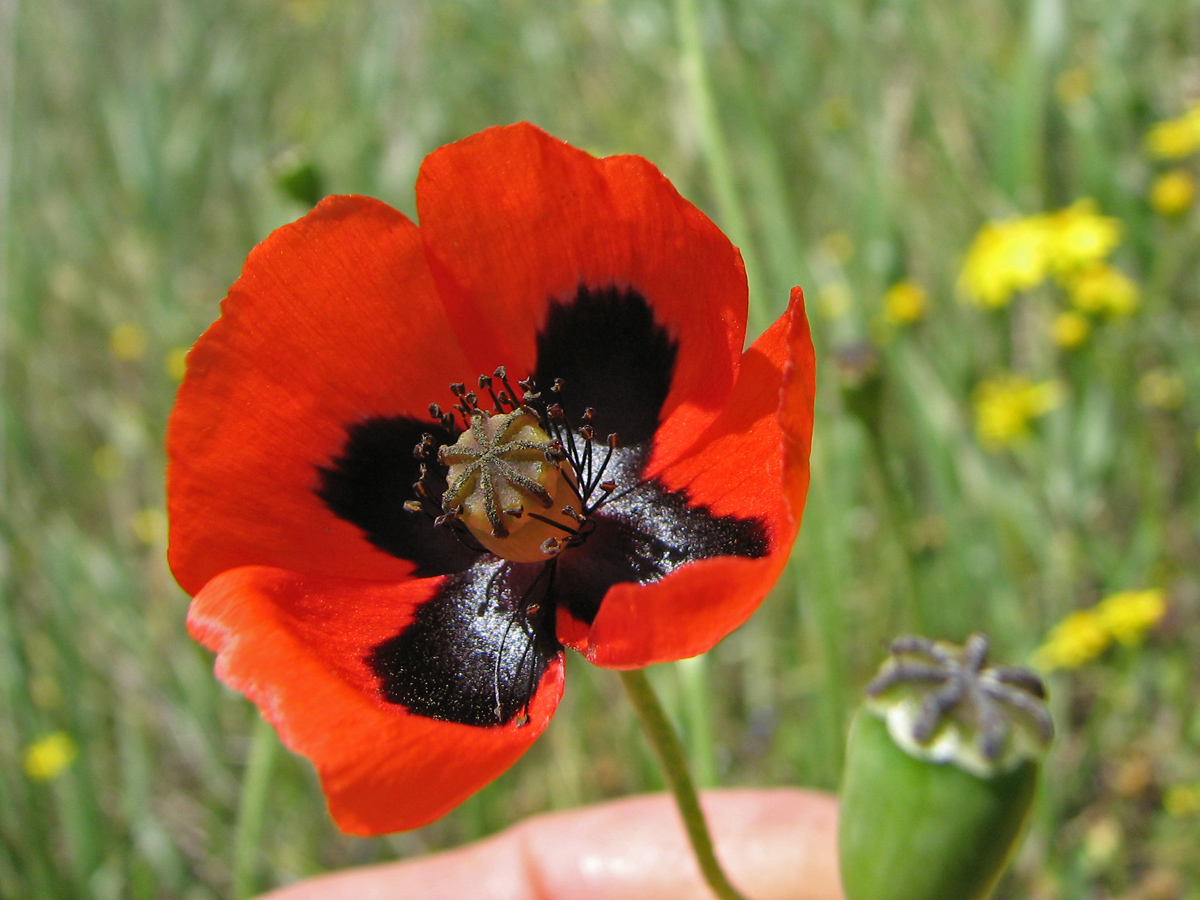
[
  {"x": 694, "y": 68},
  {"x": 671, "y": 755},
  {"x": 252, "y": 810}
]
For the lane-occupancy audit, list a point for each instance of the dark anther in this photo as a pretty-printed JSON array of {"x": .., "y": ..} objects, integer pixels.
[
  {"x": 557, "y": 386},
  {"x": 570, "y": 513},
  {"x": 435, "y": 411},
  {"x": 613, "y": 441},
  {"x": 413, "y": 506},
  {"x": 424, "y": 448},
  {"x": 485, "y": 384},
  {"x": 555, "y": 412},
  {"x": 587, "y": 432},
  {"x": 528, "y": 388},
  {"x": 472, "y": 400},
  {"x": 608, "y": 486},
  {"x": 457, "y": 388},
  {"x": 588, "y": 414}
]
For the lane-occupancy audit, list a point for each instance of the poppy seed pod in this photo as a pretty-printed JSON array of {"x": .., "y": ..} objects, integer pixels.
[{"x": 941, "y": 767}]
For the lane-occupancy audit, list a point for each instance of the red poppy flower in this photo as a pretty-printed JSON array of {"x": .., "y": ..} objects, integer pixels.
[{"x": 394, "y": 584}]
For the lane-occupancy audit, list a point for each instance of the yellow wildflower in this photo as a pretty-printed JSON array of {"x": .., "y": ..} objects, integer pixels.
[
  {"x": 1004, "y": 408},
  {"x": 1173, "y": 192},
  {"x": 108, "y": 462},
  {"x": 127, "y": 342},
  {"x": 1077, "y": 639},
  {"x": 1128, "y": 615},
  {"x": 176, "y": 363},
  {"x": 1072, "y": 86},
  {"x": 904, "y": 303},
  {"x": 1070, "y": 329},
  {"x": 1079, "y": 237},
  {"x": 47, "y": 757},
  {"x": 834, "y": 300},
  {"x": 150, "y": 525},
  {"x": 1161, "y": 388},
  {"x": 1101, "y": 843},
  {"x": 1103, "y": 290},
  {"x": 1182, "y": 800},
  {"x": 1176, "y": 138},
  {"x": 839, "y": 246},
  {"x": 1005, "y": 257}
]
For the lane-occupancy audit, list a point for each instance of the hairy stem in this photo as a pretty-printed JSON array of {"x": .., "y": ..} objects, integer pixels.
[{"x": 671, "y": 755}]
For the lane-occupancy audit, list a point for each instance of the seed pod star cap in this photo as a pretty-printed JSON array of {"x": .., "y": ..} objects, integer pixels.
[{"x": 941, "y": 768}]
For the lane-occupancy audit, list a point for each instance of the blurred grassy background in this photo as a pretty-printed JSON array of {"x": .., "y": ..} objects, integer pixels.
[{"x": 846, "y": 145}]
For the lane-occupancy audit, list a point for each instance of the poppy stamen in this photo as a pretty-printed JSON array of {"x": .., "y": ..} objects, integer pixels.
[
  {"x": 498, "y": 469},
  {"x": 567, "y": 511},
  {"x": 509, "y": 461},
  {"x": 522, "y": 612}
]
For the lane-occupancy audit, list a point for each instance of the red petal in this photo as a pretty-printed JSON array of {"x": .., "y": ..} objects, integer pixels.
[
  {"x": 334, "y": 319},
  {"x": 513, "y": 218},
  {"x": 297, "y": 646},
  {"x": 751, "y": 462}
]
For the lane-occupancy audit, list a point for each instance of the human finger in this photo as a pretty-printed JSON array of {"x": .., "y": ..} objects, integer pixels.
[{"x": 775, "y": 844}]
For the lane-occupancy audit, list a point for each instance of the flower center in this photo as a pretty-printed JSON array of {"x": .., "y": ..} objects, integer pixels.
[{"x": 520, "y": 481}]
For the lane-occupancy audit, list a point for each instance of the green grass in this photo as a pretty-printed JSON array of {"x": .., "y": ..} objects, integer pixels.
[{"x": 141, "y": 154}]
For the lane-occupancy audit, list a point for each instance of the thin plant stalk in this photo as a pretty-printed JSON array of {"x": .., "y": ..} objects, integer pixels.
[
  {"x": 252, "y": 810},
  {"x": 671, "y": 756},
  {"x": 694, "y": 69}
]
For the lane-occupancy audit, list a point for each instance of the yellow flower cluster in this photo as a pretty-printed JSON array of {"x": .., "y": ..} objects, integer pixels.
[
  {"x": 1005, "y": 258},
  {"x": 1160, "y": 388},
  {"x": 1103, "y": 290},
  {"x": 1070, "y": 329},
  {"x": 127, "y": 342},
  {"x": 1172, "y": 193},
  {"x": 1082, "y": 636},
  {"x": 1182, "y": 800},
  {"x": 1070, "y": 245},
  {"x": 47, "y": 757},
  {"x": 1176, "y": 138},
  {"x": 904, "y": 303},
  {"x": 1005, "y": 407},
  {"x": 1078, "y": 238}
]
